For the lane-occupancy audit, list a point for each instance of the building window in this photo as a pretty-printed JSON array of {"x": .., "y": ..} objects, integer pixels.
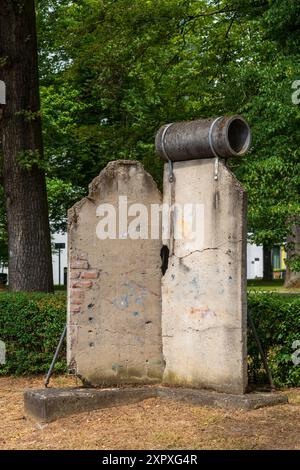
[{"x": 276, "y": 257}]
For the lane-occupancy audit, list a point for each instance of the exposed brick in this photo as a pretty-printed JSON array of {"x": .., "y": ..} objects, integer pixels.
[
  {"x": 86, "y": 283},
  {"x": 76, "y": 293},
  {"x": 76, "y": 301},
  {"x": 79, "y": 264},
  {"x": 89, "y": 274},
  {"x": 78, "y": 284}
]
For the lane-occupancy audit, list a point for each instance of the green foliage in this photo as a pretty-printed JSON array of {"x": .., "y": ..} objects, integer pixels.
[
  {"x": 277, "y": 319},
  {"x": 29, "y": 158},
  {"x": 30, "y": 326},
  {"x": 61, "y": 196},
  {"x": 282, "y": 22},
  {"x": 293, "y": 262},
  {"x": 29, "y": 115},
  {"x": 63, "y": 149}
]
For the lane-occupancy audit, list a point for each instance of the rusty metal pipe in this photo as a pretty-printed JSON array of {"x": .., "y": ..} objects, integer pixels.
[{"x": 226, "y": 136}]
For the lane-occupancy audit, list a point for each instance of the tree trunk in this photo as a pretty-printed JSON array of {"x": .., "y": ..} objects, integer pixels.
[
  {"x": 292, "y": 278},
  {"x": 30, "y": 263},
  {"x": 267, "y": 262}
]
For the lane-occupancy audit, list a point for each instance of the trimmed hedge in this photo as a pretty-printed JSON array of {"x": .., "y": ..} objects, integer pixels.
[
  {"x": 31, "y": 324},
  {"x": 277, "y": 320}
]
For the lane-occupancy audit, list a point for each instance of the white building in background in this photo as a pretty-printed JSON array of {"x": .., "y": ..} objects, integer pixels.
[
  {"x": 255, "y": 263},
  {"x": 59, "y": 258}
]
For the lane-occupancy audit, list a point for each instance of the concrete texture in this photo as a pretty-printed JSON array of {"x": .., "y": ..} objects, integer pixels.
[
  {"x": 248, "y": 401},
  {"x": 114, "y": 286},
  {"x": 204, "y": 318},
  {"x": 49, "y": 404}
]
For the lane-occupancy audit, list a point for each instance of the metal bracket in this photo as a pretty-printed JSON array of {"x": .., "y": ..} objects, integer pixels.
[
  {"x": 216, "y": 172},
  {"x": 171, "y": 174},
  {"x": 216, "y": 168}
]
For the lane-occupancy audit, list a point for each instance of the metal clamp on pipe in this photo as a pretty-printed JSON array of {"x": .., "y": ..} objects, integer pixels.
[{"x": 224, "y": 137}]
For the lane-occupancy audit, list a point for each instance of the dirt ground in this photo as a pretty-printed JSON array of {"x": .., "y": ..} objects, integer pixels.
[{"x": 152, "y": 424}]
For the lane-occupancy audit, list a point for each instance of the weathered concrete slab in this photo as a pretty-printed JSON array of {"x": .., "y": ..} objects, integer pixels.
[
  {"x": 46, "y": 405},
  {"x": 247, "y": 401},
  {"x": 204, "y": 318},
  {"x": 114, "y": 294}
]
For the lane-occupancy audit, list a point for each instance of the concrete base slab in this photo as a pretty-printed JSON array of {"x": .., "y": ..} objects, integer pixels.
[
  {"x": 247, "y": 401},
  {"x": 48, "y": 404}
]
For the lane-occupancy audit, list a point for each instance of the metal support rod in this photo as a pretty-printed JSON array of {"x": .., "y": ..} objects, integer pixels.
[
  {"x": 48, "y": 376},
  {"x": 2, "y": 92},
  {"x": 2, "y": 97},
  {"x": 261, "y": 351}
]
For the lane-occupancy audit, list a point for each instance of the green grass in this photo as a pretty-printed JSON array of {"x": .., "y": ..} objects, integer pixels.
[
  {"x": 276, "y": 285},
  {"x": 57, "y": 288},
  {"x": 60, "y": 287}
]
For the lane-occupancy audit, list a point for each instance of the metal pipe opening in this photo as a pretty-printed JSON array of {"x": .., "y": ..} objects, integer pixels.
[{"x": 238, "y": 134}]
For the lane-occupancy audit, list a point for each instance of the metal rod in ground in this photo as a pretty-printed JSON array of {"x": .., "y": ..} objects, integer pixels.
[
  {"x": 261, "y": 351},
  {"x": 48, "y": 376}
]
